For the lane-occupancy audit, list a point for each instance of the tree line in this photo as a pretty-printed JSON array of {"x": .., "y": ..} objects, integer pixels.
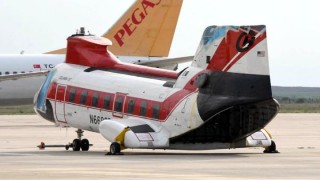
[{"x": 297, "y": 100}]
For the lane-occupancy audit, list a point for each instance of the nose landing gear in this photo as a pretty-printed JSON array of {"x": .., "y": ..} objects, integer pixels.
[
  {"x": 76, "y": 145},
  {"x": 79, "y": 143}
]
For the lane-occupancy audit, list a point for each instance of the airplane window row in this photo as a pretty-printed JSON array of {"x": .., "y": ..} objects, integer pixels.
[
  {"x": 14, "y": 72},
  {"x": 134, "y": 107}
]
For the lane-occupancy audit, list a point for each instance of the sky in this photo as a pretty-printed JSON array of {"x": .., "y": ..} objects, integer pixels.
[{"x": 37, "y": 26}]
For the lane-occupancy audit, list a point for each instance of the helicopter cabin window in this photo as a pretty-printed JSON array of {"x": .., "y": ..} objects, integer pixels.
[
  {"x": 131, "y": 106},
  {"x": 106, "y": 102},
  {"x": 156, "y": 111},
  {"x": 83, "y": 97},
  {"x": 72, "y": 94},
  {"x": 143, "y": 108},
  {"x": 95, "y": 98},
  {"x": 118, "y": 104}
]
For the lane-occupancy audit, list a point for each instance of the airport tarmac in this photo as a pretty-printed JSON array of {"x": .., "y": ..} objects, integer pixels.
[{"x": 297, "y": 137}]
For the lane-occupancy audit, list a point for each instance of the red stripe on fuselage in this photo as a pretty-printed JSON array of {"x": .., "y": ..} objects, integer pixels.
[{"x": 166, "y": 107}]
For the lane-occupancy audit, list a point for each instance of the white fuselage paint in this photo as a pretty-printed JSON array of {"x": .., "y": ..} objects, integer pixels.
[
  {"x": 21, "y": 91},
  {"x": 182, "y": 118}
]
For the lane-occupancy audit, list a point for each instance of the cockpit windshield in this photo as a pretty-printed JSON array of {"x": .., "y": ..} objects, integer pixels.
[{"x": 41, "y": 99}]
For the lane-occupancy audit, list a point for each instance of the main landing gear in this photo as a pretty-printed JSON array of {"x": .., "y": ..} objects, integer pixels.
[
  {"x": 118, "y": 145},
  {"x": 115, "y": 149},
  {"x": 272, "y": 148}
]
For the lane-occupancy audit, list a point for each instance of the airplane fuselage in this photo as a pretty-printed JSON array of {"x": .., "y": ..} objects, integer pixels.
[
  {"x": 22, "y": 90},
  {"x": 84, "y": 99}
]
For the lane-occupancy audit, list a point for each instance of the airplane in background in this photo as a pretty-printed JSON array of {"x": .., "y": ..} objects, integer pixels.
[
  {"x": 222, "y": 101},
  {"x": 143, "y": 35}
]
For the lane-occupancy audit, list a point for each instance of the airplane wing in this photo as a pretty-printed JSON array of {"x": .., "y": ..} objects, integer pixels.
[
  {"x": 169, "y": 63},
  {"x": 135, "y": 133},
  {"x": 23, "y": 75}
]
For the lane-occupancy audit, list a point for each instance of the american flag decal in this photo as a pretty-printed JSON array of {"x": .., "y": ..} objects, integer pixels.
[{"x": 261, "y": 53}]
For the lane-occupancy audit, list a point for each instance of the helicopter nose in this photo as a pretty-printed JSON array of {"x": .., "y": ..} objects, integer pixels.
[{"x": 43, "y": 107}]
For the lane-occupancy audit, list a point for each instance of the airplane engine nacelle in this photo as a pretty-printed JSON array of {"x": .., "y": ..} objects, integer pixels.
[{"x": 134, "y": 134}]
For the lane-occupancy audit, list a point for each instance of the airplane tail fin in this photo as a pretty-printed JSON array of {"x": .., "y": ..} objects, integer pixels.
[
  {"x": 145, "y": 29},
  {"x": 235, "y": 59},
  {"x": 234, "y": 83},
  {"x": 235, "y": 49}
]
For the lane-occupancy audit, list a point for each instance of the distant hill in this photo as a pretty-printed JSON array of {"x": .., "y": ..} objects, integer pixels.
[{"x": 296, "y": 92}]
